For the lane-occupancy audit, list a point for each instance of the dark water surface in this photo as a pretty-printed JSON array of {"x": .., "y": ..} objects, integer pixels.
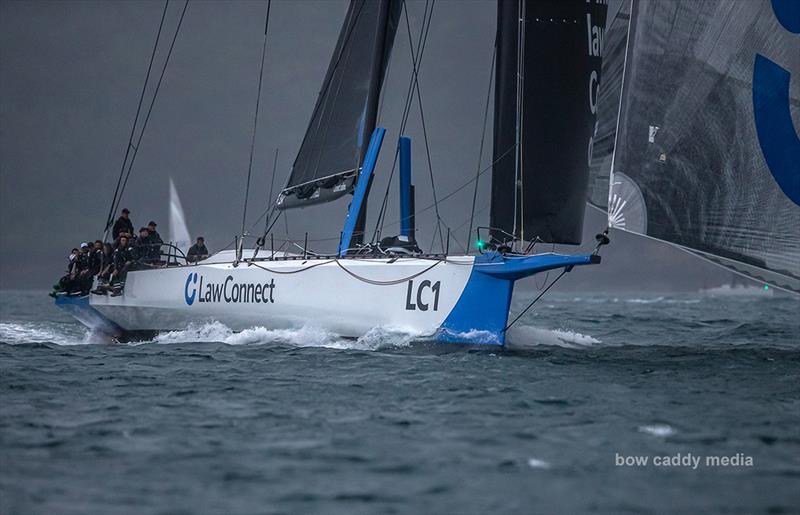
[{"x": 207, "y": 421}]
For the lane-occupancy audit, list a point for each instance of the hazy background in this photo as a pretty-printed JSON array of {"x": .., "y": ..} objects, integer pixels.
[{"x": 71, "y": 75}]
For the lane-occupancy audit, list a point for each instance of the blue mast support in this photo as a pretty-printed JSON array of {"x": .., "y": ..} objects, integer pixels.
[
  {"x": 405, "y": 187},
  {"x": 361, "y": 188}
]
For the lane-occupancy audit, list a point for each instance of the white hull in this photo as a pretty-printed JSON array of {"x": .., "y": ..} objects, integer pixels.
[
  {"x": 291, "y": 294},
  {"x": 460, "y": 298}
]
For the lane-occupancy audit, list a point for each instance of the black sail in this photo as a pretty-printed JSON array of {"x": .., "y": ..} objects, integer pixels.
[
  {"x": 608, "y": 105},
  {"x": 344, "y": 117},
  {"x": 547, "y": 77},
  {"x": 707, "y": 156}
]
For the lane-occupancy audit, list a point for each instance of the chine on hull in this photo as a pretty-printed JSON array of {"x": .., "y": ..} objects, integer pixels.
[{"x": 454, "y": 299}]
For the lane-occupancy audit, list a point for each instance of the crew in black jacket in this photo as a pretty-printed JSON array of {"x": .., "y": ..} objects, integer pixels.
[
  {"x": 198, "y": 251},
  {"x": 123, "y": 259},
  {"x": 123, "y": 222}
]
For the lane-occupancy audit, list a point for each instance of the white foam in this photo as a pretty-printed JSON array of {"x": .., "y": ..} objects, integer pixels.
[
  {"x": 529, "y": 336},
  {"x": 474, "y": 336},
  {"x": 307, "y": 336},
  {"x": 661, "y": 430},
  {"x": 653, "y": 300},
  {"x": 536, "y": 463},
  {"x": 739, "y": 290},
  {"x": 30, "y": 332}
]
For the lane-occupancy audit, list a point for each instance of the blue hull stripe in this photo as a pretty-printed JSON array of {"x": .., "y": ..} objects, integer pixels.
[
  {"x": 81, "y": 309},
  {"x": 481, "y": 313}
]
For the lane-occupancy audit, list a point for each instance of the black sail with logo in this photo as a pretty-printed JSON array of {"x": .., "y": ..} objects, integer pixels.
[
  {"x": 547, "y": 75},
  {"x": 344, "y": 116}
]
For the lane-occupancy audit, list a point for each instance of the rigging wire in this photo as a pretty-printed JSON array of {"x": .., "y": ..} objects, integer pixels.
[
  {"x": 386, "y": 283},
  {"x": 425, "y": 136},
  {"x": 483, "y": 140},
  {"x": 272, "y": 180},
  {"x": 361, "y": 278},
  {"x": 564, "y": 271},
  {"x": 150, "y": 108},
  {"x": 465, "y": 184},
  {"x": 255, "y": 119},
  {"x": 271, "y": 209},
  {"x": 421, "y": 41},
  {"x": 110, "y": 217}
]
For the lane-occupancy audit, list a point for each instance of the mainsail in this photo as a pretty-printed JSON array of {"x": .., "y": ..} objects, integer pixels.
[
  {"x": 178, "y": 232},
  {"x": 706, "y": 155},
  {"x": 549, "y": 54},
  {"x": 344, "y": 117}
]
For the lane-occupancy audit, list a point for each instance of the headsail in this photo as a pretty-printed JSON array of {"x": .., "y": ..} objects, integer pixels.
[
  {"x": 344, "y": 116},
  {"x": 547, "y": 73},
  {"x": 706, "y": 156},
  {"x": 608, "y": 104},
  {"x": 178, "y": 232}
]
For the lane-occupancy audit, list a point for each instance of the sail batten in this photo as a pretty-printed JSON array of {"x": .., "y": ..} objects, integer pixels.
[{"x": 344, "y": 116}]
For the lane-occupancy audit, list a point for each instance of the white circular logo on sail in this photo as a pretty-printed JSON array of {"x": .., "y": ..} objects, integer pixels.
[{"x": 626, "y": 207}]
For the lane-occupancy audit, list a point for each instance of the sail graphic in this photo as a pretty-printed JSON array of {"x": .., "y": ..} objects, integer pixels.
[
  {"x": 608, "y": 105},
  {"x": 549, "y": 54},
  {"x": 344, "y": 117},
  {"x": 707, "y": 154},
  {"x": 178, "y": 232}
]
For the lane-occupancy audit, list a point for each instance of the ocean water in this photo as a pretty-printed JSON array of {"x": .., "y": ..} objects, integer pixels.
[{"x": 604, "y": 404}]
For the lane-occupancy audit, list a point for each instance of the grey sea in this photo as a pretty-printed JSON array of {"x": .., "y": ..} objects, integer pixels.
[{"x": 600, "y": 404}]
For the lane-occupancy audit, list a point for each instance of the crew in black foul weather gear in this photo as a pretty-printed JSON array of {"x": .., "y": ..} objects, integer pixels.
[
  {"x": 82, "y": 278},
  {"x": 123, "y": 222},
  {"x": 198, "y": 251},
  {"x": 142, "y": 246},
  {"x": 96, "y": 257},
  {"x": 123, "y": 259},
  {"x": 154, "y": 236}
]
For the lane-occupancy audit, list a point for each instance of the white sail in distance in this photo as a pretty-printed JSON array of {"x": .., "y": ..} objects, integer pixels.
[{"x": 178, "y": 232}]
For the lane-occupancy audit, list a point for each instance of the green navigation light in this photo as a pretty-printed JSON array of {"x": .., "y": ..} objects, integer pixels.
[
  {"x": 766, "y": 287},
  {"x": 480, "y": 244}
]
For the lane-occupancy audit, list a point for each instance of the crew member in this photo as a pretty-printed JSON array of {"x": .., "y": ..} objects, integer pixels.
[
  {"x": 96, "y": 257},
  {"x": 154, "y": 236},
  {"x": 198, "y": 251},
  {"x": 123, "y": 222},
  {"x": 123, "y": 259},
  {"x": 156, "y": 241},
  {"x": 142, "y": 247},
  {"x": 66, "y": 280},
  {"x": 106, "y": 269},
  {"x": 82, "y": 281}
]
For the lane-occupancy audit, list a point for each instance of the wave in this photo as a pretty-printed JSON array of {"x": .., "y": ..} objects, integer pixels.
[
  {"x": 738, "y": 290},
  {"x": 526, "y": 336},
  {"x": 308, "y": 336},
  {"x": 654, "y": 300},
  {"x": 378, "y": 338},
  {"x": 660, "y": 430},
  {"x": 61, "y": 334},
  {"x": 536, "y": 463},
  {"x": 636, "y": 300}
]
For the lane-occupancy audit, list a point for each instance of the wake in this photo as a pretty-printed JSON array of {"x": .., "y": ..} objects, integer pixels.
[{"x": 378, "y": 338}]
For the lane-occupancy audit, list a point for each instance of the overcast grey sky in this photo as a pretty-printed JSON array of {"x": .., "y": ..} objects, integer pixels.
[{"x": 70, "y": 79}]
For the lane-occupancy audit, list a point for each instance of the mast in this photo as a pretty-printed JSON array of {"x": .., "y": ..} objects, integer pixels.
[
  {"x": 380, "y": 58},
  {"x": 518, "y": 185}
]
